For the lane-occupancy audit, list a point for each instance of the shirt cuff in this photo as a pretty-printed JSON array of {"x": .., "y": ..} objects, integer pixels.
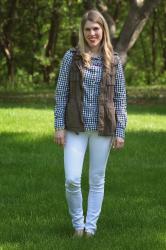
[
  {"x": 120, "y": 132},
  {"x": 59, "y": 124},
  {"x": 60, "y": 128}
]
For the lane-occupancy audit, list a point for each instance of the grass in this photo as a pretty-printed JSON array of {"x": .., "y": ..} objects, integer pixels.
[
  {"x": 33, "y": 208},
  {"x": 142, "y": 94}
]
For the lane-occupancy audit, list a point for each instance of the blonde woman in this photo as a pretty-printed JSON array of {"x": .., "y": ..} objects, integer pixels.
[{"x": 90, "y": 110}]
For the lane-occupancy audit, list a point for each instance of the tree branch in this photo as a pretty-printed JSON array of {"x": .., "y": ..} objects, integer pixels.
[{"x": 138, "y": 15}]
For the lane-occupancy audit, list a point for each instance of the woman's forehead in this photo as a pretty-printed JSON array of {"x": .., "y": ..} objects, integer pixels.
[{"x": 90, "y": 24}]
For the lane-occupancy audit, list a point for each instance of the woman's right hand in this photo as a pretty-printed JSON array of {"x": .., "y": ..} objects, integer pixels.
[{"x": 59, "y": 137}]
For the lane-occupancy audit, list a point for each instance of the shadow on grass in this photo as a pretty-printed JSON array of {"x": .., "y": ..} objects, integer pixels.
[
  {"x": 27, "y": 100},
  {"x": 33, "y": 206},
  {"x": 38, "y": 104},
  {"x": 145, "y": 108}
]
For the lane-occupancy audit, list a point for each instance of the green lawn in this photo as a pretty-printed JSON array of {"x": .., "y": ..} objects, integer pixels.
[{"x": 33, "y": 210}]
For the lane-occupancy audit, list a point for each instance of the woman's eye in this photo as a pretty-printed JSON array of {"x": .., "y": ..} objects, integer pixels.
[{"x": 88, "y": 29}]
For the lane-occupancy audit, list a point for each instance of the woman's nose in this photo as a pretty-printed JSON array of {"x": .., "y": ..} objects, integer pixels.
[{"x": 92, "y": 32}]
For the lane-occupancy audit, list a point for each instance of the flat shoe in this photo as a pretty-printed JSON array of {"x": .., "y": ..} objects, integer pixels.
[
  {"x": 89, "y": 235},
  {"x": 78, "y": 233}
]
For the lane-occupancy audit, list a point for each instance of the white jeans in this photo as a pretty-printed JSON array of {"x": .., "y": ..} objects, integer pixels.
[{"x": 74, "y": 152}]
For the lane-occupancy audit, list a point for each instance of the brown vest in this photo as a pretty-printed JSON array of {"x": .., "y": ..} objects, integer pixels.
[{"x": 73, "y": 115}]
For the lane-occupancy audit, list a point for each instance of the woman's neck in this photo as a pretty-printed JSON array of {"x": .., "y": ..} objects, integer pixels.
[{"x": 95, "y": 51}]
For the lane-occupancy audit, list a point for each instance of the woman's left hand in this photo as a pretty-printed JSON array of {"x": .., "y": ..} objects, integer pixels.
[{"x": 118, "y": 143}]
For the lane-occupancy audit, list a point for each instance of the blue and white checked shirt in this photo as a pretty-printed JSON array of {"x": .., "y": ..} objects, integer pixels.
[{"x": 91, "y": 86}]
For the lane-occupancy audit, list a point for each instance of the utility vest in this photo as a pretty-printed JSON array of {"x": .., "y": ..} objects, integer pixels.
[{"x": 73, "y": 115}]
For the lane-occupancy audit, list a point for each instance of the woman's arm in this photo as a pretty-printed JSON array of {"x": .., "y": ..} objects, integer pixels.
[
  {"x": 62, "y": 91},
  {"x": 120, "y": 102},
  {"x": 61, "y": 97}
]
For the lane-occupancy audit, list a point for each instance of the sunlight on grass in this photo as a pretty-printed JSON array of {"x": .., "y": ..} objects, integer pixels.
[
  {"x": 41, "y": 121},
  {"x": 10, "y": 246},
  {"x": 36, "y": 121},
  {"x": 146, "y": 122},
  {"x": 162, "y": 237},
  {"x": 34, "y": 214}
]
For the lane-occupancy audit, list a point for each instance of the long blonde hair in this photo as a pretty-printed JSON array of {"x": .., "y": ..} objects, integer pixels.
[{"x": 106, "y": 46}]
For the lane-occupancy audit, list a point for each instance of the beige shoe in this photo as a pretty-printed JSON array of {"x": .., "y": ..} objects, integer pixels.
[
  {"x": 89, "y": 235},
  {"x": 78, "y": 233}
]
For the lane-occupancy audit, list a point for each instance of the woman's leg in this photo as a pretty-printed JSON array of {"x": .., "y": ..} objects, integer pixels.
[
  {"x": 74, "y": 152},
  {"x": 99, "y": 147}
]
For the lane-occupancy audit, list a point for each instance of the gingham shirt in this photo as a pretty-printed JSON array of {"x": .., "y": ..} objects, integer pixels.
[{"x": 91, "y": 86}]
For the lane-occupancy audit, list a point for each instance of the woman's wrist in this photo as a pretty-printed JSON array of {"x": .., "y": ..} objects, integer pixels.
[{"x": 58, "y": 129}]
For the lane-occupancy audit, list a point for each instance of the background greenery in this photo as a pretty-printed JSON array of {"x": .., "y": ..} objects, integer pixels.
[{"x": 25, "y": 28}]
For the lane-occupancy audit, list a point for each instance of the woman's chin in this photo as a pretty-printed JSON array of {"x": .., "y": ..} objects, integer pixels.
[{"x": 91, "y": 45}]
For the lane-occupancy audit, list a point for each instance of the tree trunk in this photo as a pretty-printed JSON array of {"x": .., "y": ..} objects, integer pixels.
[
  {"x": 6, "y": 41},
  {"x": 117, "y": 9},
  {"x": 6, "y": 48},
  {"x": 53, "y": 35},
  {"x": 161, "y": 32},
  {"x": 137, "y": 18},
  {"x": 154, "y": 39},
  {"x": 74, "y": 38},
  {"x": 89, "y": 4},
  {"x": 103, "y": 8}
]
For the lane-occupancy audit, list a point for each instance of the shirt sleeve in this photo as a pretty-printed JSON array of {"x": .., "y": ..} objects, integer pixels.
[
  {"x": 120, "y": 100},
  {"x": 62, "y": 91}
]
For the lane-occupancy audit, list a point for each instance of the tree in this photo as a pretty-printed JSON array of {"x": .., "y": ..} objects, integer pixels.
[
  {"x": 52, "y": 39},
  {"x": 6, "y": 45},
  {"x": 137, "y": 18},
  {"x": 35, "y": 34}
]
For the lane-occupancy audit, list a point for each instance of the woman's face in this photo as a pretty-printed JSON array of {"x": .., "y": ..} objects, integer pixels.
[{"x": 93, "y": 34}]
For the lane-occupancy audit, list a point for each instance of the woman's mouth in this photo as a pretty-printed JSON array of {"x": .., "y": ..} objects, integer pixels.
[{"x": 92, "y": 39}]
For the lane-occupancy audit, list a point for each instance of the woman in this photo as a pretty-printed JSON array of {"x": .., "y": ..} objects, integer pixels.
[{"x": 90, "y": 109}]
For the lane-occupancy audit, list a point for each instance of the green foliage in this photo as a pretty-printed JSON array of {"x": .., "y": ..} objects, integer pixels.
[
  {"x": 29, "y": 36},
  {"x": 161, "y": 79}
]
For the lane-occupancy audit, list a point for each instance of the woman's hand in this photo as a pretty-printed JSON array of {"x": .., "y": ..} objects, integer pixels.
[
  {"x": 118, "y": 143},
  {"x": 59, "y": 137}
]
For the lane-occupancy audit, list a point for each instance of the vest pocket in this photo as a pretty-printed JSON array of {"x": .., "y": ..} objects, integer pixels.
[{"x": 72, "y": 115}]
